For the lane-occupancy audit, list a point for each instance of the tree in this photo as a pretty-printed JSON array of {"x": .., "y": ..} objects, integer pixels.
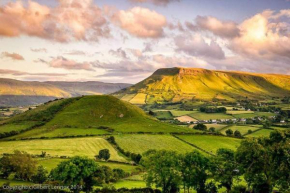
[
  {"x": 229, "y": 132},
  {"x": 162, "y": 169},
  {"x": 225, "y": 168},
  {"x": 151, "y": 113},
  {"x": 40, "y": 176},
  {"x": 104, "y": 154},
  {"x": 264, "y": 162},
  {"x": 21, "y": 163},
  {"x": 212, "y": 129},
  {"x": 76, "y": 172},
  {"x": 250, "y": 131},
  {"x": 237, "y": 134},
  {"x": 267, "y": 124},
  {"x": 201, "y": 127},
  {"x": 194, "y": 169},
  {"x": 136, "y": 157}
]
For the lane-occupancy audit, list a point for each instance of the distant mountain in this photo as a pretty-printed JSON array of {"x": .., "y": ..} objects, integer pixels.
[
  {"x": 89, "y": 88},
  {"x": 177, "y": 84},
  {"x": 21, "y": 93}
]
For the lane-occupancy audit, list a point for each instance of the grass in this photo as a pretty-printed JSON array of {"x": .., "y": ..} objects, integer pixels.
[
  {"x": 49, "y": 163},
  {"x": 211, "y": 143},
  {"x": 261, "y": 133},
  {"x": 143, "y": 143},
  {"x": 163, "y": 115},
  {"x": 94, "y": 112},
  {"x": 243, "y": 129},
  {"x": 140, "y": 98},
  {"x": 208, "y": 116},
  {"x": 129, "y": 184},
  {"x": 216, "y": 126},
  {"x": 61, "y": 132},
  {"x": 256, "y": 114},
  {"x": 16, "y": 126},
  {"x": 62, "y": 147},
  {"x": 176, "y": 113},
  {"x": 14, "y": 182},
  {"x": 108, "y": 111},
  {"x": 239, "y": 112}
]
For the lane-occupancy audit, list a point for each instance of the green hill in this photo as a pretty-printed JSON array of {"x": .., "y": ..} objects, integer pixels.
[
  {"x": 88, "y": 115},
  {"x": 177, "y": 84}
]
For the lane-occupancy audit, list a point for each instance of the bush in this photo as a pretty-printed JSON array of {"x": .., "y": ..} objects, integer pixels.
[
  {"x": 229, "y": 132},
  {"x": 201, "y": 127}
]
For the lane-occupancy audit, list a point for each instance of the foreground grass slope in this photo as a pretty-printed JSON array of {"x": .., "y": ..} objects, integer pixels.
[
  {"x": 176, "y": 84},
  {"x": 88, "y": 115}
]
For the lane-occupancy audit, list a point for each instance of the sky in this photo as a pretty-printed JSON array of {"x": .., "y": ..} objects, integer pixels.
[{"x": 125, "y": 41}]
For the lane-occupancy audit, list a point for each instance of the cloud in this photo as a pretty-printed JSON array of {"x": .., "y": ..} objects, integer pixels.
[
  {"x": 68, "y": 21},
  {"x": 64, "y": 63},
  {"x": 44, "y": 50},
  {"x": 140, "y": 22},
  {"x": 264, "y": 36},
  {"x": 195, "y": 45},
  {"x": 76, "y": 53},
  {"x": 156, "y": 2},
  {"x": 224, "y": 29},
  {"x": 119, "y": 53},
  {"x": 136, "y": 52},
  {"x": 13, "y": 56}
]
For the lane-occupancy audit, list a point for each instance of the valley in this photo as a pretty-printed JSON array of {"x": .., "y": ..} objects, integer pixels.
[{"x": 59, "y": 130}]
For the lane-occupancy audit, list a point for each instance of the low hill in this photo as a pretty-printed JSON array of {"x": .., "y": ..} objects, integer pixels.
[
  {"x": 22, "y": 93},
  {"x": 88, "y": 115},
  {"x": 177, "y": 84}
]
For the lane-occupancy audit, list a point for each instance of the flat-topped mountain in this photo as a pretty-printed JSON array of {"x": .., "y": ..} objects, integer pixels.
[{"x": 177, "y": 84}]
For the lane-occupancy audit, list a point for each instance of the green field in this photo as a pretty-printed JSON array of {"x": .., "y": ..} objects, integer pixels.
[
  {"x": 62, "y": 147},
  {"x": 239, "y": 112},
  {"x": 129, "y": 184},
  {"x": 163, "y": 115},
  {"x": 256, "y": 114},
  {"x": 217, "y": 127},
  {"x": 211, "y": 143},
  {"x": 16, "y": 126},
  {"x": 243, "y": 129},
  {"x": 143, "y": 143},
  {"x": 61, "y": 132},
  {"x": 176, "y": 113},
  {"x": 261, "y": 133},
  {"x": 208, "y": 116}
]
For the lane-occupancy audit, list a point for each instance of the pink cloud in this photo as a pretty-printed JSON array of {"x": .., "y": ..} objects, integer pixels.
[
  {"x": 141, "y": 22},
  {"x": 13, "y": 56},
  {"x": 195, "y": 45},
  {"x": 64, "y": 63},
  {"x": 68, "y": 21},
  {"x": 265, "y": 35}
]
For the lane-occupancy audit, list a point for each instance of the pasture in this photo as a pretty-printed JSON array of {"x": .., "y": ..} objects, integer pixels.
[
  {"x": 89, "y": 147},
  {"x": 243, "y": 129},
  {"x": 261, "y": 133},
  {"x": 143, "y": 143},
  {"x": 211, "y": 143},
  {"x": 208, "y": 116}
]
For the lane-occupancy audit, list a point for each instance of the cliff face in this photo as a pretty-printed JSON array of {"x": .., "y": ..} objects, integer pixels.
[{"x": 176, "y": 84}]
